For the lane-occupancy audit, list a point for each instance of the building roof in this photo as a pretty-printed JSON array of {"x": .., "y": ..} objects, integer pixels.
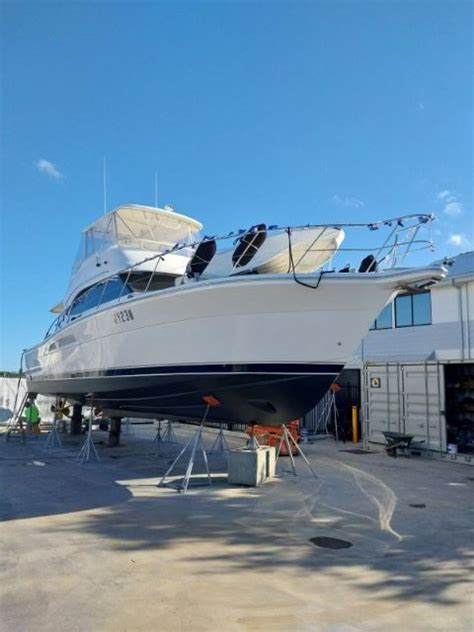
[{"x": 460, "y": 266}]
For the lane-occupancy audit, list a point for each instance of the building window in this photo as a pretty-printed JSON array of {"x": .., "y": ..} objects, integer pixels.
[
  {"x": 422, "y": 308},
  {"x": 413, "y": 309},
  {"x": 384, "y": 319}
]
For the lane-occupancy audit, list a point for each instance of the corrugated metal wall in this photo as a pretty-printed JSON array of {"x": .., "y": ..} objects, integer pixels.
[{"x": 406, "y": 398}]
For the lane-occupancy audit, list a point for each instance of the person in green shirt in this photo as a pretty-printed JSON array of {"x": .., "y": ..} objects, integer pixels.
[{"x": 32, "y": 417}]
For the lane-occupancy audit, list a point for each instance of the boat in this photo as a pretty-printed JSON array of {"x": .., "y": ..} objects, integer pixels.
[{"x": 159, "y": 322}]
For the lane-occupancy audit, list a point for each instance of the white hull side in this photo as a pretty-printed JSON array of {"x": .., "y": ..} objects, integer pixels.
[{"x": 232, "y": 321}]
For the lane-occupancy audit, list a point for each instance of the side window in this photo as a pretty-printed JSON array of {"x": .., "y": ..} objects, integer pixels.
[
  {"x": 87, "y": 300},
  {"x": 413, "y": 309},
  {"x": 78, "y": 306},
  {"x": 113, "y": 288},
  {"x": 98, "y": 295},
  {"x": 92, "y": 297}
]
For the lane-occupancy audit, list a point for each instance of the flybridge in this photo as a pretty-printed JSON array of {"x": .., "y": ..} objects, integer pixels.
[{"x": 136, "y": 227}]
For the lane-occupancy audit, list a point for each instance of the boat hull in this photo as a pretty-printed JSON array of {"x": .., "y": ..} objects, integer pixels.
[
  {"x": 266, "y": 347},
  {"x": 264, "y": 394}
]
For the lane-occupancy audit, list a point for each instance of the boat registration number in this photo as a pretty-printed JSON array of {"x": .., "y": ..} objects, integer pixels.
[{"x": 123, "y": 316}]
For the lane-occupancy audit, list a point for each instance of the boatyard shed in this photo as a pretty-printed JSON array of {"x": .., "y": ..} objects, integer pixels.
[{"x": 417, "y": 366}]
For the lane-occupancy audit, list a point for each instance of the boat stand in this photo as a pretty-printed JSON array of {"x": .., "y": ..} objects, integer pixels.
[
  {"x": 220, "y": 443},
  {"x": 288, "y": 439},
  {"x": 169, "y": 435},
  {"x": 88, "y": 452},
  {"x": 252, "y": 443},
  {"x": 196, "y": 445},
  {"x": 326, "y": 412},
  {"x": 54, "y": 440},
  {"x": 127, "y": 426},
  {"x": 158, "y": 440}
]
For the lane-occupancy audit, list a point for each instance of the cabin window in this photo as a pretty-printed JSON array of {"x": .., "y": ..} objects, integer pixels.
[
  {"x": 140, "y": 281},
  {"x": 78, "y": 306},
  {"x": 413, "y": 309},
  {"x": 92, "y": 297},
  {"x": 98, "y": 295},
  {"x": 114, "y": 288}
]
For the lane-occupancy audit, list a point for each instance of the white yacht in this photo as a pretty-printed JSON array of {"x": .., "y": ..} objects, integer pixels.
[{"x": 157, "y": 322}]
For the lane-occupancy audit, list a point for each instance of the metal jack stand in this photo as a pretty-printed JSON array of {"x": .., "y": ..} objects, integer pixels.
[
  {"x": 158, "y": 440},
  {"x": 220, "y": 443},
  {"x": 54, "y": 440},
  {"x": 127, "y": 426},
  {"x": 288, "y": 439},
  {"x": 326, "y": 411},
  {"x": 252, "y": 443},
  {"x": 196, "y": 445},
  {"x": 169, "y": 434},
  {"x": 88, "y": 451}
]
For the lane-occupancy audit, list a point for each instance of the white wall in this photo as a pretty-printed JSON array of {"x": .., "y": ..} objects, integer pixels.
[
  {"x": 8, "y": 389},
  {"x": 444, "y": 304},
  {"x": 449, "y": 337}
]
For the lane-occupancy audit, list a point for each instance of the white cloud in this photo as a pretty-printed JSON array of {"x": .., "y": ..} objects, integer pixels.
[
  {"x": 459, "y": 240},
  {"x": 50, "y": 169},
  {"x": 452, "y": 209},
  {"x": 452, "y": 205},
  {"x": 346, "y": 200}
]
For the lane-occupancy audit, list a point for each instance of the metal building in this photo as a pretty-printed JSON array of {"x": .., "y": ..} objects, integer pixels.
[{"x": 417, "y": 367}]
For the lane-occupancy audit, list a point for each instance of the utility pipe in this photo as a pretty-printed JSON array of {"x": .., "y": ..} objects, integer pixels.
[{"x": 461, "y": 318}]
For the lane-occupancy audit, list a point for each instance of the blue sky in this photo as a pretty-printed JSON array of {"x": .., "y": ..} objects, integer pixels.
[{"x": 285, "y": 112}]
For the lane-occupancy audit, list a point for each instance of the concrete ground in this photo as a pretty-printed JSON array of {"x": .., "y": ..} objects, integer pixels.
[{"x": 98, "y": 547}]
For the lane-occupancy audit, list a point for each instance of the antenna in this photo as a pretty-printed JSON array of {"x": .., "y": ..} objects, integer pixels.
[
  {"x": 156, "y": 189},
  {"x": 104, "y": 178}
]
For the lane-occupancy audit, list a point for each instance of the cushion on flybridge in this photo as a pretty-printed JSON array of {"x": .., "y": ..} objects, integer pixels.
[
  {"x": 248, "y": 245},
  {"x": 203, "y": 255},
  {"x": 368, "y": 264}
]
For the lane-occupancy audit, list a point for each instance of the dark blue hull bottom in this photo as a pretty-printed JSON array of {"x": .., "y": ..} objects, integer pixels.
[{"x": 270, "y": 394}]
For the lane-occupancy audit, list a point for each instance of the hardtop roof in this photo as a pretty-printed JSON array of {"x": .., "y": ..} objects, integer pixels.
[{"x": 131, "y": 212}]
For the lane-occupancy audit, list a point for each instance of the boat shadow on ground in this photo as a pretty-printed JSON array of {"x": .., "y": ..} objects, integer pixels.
[
  {"x": 232, "y": 529},
  {"x": 226, "y": 535}
]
